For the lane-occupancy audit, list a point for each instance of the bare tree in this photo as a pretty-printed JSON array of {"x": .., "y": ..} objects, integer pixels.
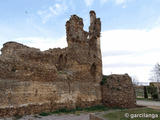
[
  {"x": 135, "y": 81},
  {"x": 155, "y": 77}
]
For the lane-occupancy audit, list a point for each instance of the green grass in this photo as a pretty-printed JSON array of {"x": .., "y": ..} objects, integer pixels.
[
  {"x": 120, "y": 115},
  {"x": 45, "y": 113},
  {"x": 77, "y": 110}
]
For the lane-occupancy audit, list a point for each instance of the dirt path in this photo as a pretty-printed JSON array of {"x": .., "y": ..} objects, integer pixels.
[
  {"x": 149, "y": 104},
  {"x": 55, "y": 117}
]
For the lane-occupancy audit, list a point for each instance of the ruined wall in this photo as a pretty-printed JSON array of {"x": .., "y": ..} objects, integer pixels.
[
  {"x": 157, "y": 85},
  {"x": 67, "y": 77},
  {"x": 118, "y": 91}
]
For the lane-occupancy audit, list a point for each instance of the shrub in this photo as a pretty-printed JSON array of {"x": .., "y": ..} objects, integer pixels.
[
  {"x": 104, "y": 79},
  {"x": 153, "y": 91},
  {"x": 155, "y": 96}
]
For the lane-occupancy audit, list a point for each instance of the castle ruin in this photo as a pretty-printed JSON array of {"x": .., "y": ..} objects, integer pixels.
[
  {"x": 55, "y": 78},
  {"x": 34, "y": 81}
]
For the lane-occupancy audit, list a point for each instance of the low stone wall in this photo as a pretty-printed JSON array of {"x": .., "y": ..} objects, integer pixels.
[
  {"x": 94, "y": 117},
  {"x": 118, "y": 91}
]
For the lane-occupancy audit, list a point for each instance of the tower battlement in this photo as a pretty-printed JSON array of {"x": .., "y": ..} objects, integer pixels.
[{"x": 77, "y": 36}]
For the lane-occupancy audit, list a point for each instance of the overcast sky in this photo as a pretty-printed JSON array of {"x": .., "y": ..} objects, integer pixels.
[{"x": 130, "y": 29}]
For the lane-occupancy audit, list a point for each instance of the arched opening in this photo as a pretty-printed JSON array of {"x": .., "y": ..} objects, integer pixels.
[
  {"x": 93, "y": 69},
  {"x": 60, "y": 58},
  {"x": 60, "y": 62}
]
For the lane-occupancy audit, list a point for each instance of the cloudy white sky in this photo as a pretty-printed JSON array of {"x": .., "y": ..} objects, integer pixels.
[{"x": 130, "y": 29}]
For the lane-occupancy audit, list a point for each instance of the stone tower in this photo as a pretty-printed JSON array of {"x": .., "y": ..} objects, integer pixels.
[
  {"x": 94, "y": 33},
  {"x": 85, "y": 42},
  {"x": 77, "y": 36}
]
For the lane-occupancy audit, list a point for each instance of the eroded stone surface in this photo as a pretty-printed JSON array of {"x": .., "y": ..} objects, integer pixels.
[
  {"x": 55, "y": 78},
  {"x": 118, "y": 91}
]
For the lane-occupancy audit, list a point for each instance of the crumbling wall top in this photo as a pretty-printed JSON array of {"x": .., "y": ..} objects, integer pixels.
[
  {"x": 75, "y": 33},
  {"x": 10, "y": 48}
]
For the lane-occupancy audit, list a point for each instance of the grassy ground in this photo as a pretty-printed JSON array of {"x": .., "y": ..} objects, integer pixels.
[
  {"x": 131, "y": 114},
  {"x": 77, "y": 111},
  {"x": 110, "y": 113},
  {"x": 150, "y": 99}
]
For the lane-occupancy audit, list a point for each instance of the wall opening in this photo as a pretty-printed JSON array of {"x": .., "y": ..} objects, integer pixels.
[
  {"x": 93, "y": 69},
  {"x": 60, "y": 62}
]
